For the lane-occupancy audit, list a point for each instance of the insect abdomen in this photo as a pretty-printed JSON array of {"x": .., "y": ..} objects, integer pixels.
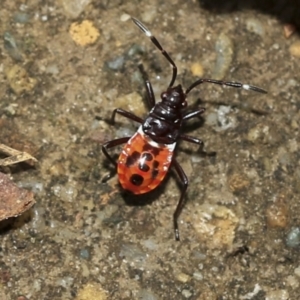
[{"x": 143, "y": 164}]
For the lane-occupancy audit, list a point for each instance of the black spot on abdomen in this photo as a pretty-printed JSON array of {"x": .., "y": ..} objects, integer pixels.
[
  {"x": 143, "y": 167},
  {"x": 155, "y": 169},
  {"x": 136, "y": 179},
  {"x": 131, "y": 159},
  {"x": 150, "y": 149},
  {"x": 155, "y": 164},
  {"x": 147, "y": 156}
]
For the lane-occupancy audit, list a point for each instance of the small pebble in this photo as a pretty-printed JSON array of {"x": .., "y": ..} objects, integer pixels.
[
  {"x": 288, "y": 30},
  {"x": 150, "y": 244},
  {"x": 52, "y": 69},
  {"x": 186, "y": 293},
  {"x": 258, "y": 133},
  {"x": 252, "y": 294},
  {"x": 57, "y": 169},
  {"x": 292, "y": 281},
  {"x": 38, "y": 219},
  {"x": 74, "y": 8},
  {"x": 197, "y": 255},
  {"x": 116, "y": 64},
  {"x": 67, "y": 192},
  {"x": 182, "y": 277},
  {"x": 146, "y": 295},
  {"x": 224, "y": 49},
  {"x": 284, "y": 157},
  {"x": 85, "y": 253},
  {"x": 135, "y": 49},
  {"x": 277, "y": 295},
  {"x": 197, "y": 69},
  {"x": 295, "y": 49},
  {"x": 255, "y": 26},
  {"x": 22, "y": 298},
  {"x": 91, "y": 291},
  {"x": 215, "y": 224},
  {"x": 238, "y": 182},
  {"x": 297, "y": 271},
  {"x": 21, "y": 17},
  {"x": 211, "y": 119},
  {"x": 149, "y": 15},
  {"x": 132, "y": 253},
  {"x": 11, "y": 47},
  {"x": 207, "y": 294},
  {"x": 124, "y": 17},
  {"x": 65, "y": 282},
  {"x": 293, "y": 238},
  {"x": 19, "y": 80},
  {"x": 198, "y": 276},
  {"x": 277, "y": 213},
  {"x": 84, "y": 33},
  {"x": 224, "y": 121},
  {"x": 32, "y": 184}
]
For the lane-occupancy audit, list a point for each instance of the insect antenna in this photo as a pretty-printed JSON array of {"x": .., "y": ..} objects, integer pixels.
[
  {"x": 238, "y": 85},
  {"x": 148, "y": 33}
]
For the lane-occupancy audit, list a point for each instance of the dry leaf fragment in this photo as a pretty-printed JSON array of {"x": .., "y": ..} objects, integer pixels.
[
  {"x": 13, "y": 200},
  {"x": 15, "y": 156}
]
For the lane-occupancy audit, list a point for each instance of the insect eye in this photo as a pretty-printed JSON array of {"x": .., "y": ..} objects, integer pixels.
[{"x": 164, "y": 95}]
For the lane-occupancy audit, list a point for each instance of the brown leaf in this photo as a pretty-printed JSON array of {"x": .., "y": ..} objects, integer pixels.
[{"x": 13, "y": 200}]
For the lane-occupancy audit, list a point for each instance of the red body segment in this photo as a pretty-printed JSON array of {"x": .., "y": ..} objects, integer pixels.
[{"x": 143, "y": 164}]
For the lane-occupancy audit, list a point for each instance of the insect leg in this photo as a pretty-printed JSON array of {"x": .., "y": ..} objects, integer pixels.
[
  {"x": 125, "y": 114},
  {"x": 197, "y": 141},
  {"x": 111, "y": 144},
  {"x": 185, "y": 182},
  {"x": 149, "y": 89},
  {"x": 194, "y": 140},
  {"x": 194, "y": 113}
]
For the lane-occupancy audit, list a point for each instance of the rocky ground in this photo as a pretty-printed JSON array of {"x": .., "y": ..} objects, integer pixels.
[{"x": 64, "y": 67}]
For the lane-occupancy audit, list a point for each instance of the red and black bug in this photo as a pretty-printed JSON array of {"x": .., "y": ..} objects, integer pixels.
[{"x": 148, "y": 154}]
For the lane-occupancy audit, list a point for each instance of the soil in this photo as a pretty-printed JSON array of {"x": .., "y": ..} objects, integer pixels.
[{"x": 87, "y": 239}]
